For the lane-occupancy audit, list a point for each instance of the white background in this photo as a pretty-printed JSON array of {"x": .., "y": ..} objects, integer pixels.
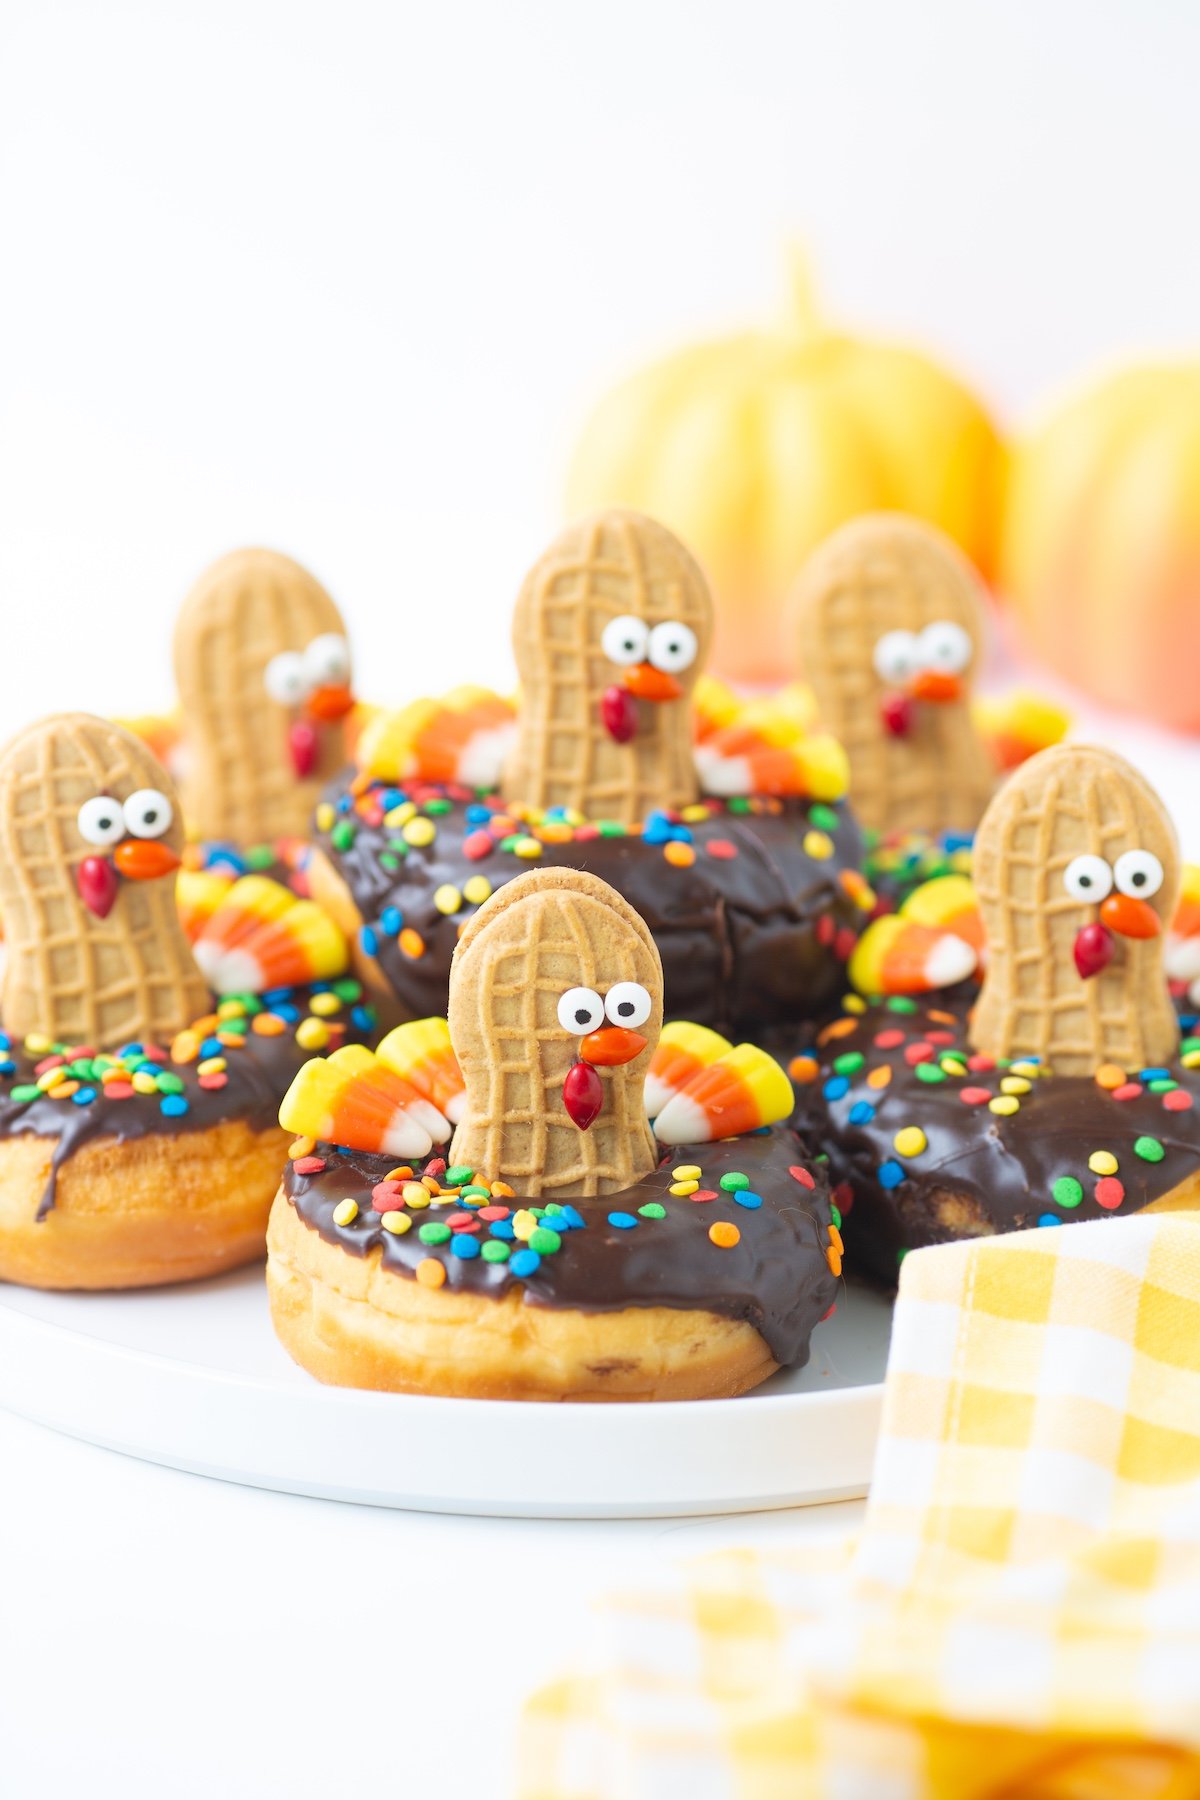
[{"x": 344, "y": 279}]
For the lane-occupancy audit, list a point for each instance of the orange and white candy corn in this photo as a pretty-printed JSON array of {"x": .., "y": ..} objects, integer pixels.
[
  {"x": 682, "y": 1052},
  {"x": 741, "y": 1091},
  {"x": 262, "y": 936},
  {"x": 422, "y": 1053},
  {"x": 198, "y": 893},
  {"x": 896, "y": 955},
  {"x": 463, "y": 737},
  {"x": 352, "y": 1098}
]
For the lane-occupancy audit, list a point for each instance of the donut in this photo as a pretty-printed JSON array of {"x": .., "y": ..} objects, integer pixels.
[
  {"x": 751, "y": 890},
  {"x": 1060, "y": 1089},
  {"x": 554, "y": 1247},
  {"x": 139, "y": 1136}
]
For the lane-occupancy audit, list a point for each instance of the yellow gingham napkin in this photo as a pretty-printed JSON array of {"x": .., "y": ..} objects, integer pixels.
[{"x": 1021, "y": 1614}]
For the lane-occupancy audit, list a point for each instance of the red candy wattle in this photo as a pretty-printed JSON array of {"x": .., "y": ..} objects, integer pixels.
[
  {"x": 618, "y": 714},
  {"x": 96, "y": 880},
  {"x": 302, "y": 742},
  {"x": 896, "y": 711},
  {"x": 1094, "y": 947},
  {"x": 583, "y": 1095}
]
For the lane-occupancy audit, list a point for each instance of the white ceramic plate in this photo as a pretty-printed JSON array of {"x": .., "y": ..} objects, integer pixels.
[{"x": 193, "y": 1377}]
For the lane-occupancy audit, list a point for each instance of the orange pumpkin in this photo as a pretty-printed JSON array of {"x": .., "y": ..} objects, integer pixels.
[
  {"x": 1102, "y": 542},
  {"x": 754, "y": 447}
]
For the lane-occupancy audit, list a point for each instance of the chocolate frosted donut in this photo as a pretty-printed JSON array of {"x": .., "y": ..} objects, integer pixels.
[{"x": 754, "y": 904}]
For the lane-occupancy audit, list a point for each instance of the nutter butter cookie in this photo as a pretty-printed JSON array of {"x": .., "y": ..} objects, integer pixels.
[{"x": 550, "y": 1245}]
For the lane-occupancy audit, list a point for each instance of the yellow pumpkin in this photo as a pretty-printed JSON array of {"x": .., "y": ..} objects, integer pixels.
[
  {"x": 1101, "y": 553},
  {"x": 753, "y": 448}
]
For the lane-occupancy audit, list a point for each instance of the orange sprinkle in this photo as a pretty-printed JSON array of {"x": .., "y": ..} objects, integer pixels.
[
  {"x": 205, "y": 1026},
  {"x": 268, "y": 1024},
  {"x": 839, "y": 1029},
  {"x": 431, "y": 1182},
  {"x": 63, "y": 1090},
  {"x": 501, "y": 1190},
  {"x": 404, "y": 1173},
  {"x": 500, "y": 825},
  {"x": 831, "y": 1257},
  {"x": 232, "y": 1040},
  {"x": 835, "y": 1240},
  {"x": 1108, "y": 1075},
  {"x": 681, "y": 855},
  {"x": 879, "y": 1078},
  {"x": 942, "y": 1018},
  {"x": 554, "y": 833},
  {"x": 430, "y": 1272},
  {"x": 411, "y": 942},
  {"x": 725, "y": 1234},
  {"x": 804, "y": 1068}
]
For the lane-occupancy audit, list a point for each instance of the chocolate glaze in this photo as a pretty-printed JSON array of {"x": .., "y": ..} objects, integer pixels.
[
  {"x": 777, "y": 1278},
  {"x": 985, "y": 1172},
  {"x": 757, "y": 938}
]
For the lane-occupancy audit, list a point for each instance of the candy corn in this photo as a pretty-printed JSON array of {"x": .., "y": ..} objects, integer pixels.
[
  {"x": 1181, "y": 956},
  {"x": 261, "y": 936},
  {"x": 743, "y": 1089},
  {"x": 897, "y": 955},
  {"x": 1015, "y": 726},
  {"x": 682, "y": 1052},
  {"x": 947, "y": 903},
  {"x": 421, "y": 1052},
  {"x": 765, "y": 748},
  {"x": 714, "y": 704},
  {"x": 352, "y": 1098},
  {"x": 463, "y": 737},
  {"x": 198, "y": 893}
]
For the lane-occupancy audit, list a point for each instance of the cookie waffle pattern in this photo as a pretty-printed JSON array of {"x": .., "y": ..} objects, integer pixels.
[
  {"x": 614, "y": 563},
  {"x": 1070, "y": 801},
  {"x": 515, "y": 960},
  {"x": 879, "y": 574},
  {"x": 71, "y": 975},
  {"x": 244, "y": 610}
]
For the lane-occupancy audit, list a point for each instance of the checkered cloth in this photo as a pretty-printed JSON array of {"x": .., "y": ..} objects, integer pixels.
[{"x": 1021, "y": 1615}]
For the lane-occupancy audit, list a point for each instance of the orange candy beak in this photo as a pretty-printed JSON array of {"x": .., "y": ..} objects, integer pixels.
[
  {"x": 930, "y": 685},
  {"x": 143, "y": 859},
  {"x": 1130, "y": 917},
  {"x": 611, "y": 1046},
  {"x": 328, "y": 704},
  {"x": 645, "y": 682}
]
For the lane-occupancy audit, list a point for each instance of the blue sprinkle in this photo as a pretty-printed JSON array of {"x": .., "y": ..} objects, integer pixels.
[
  {"x": 622, "y": 1221},
  {"x": 861, "y": 1113},
  {"x": 389, "y": 797},
  {"x": 368, "y": 942},
  {"x": 681, "y": 834},
  {"x": 748, "y": 1198},
  {"x": 837, "y": 1088},
  {"x": 321, "y": 987},
  {"x": 525, "y": 1262},
  {"x": 390, "y": 921},
  {"x": 84, "y": 1096},
  {"x": 285, "y": 1010},
  {"x": 273, "y": 994},
  {"x": 1051, "y": 1219},
  {"x": 759, "y": 1131},
  {"x": 478, "y": 815},
  {"x": 344, "y": 803},
  {"x": 890, "y": 1175},
  {"x": 212, "y": 1047},
  {"x": 1187, "y": 1020},
  {"x": 556, "y": 812},
  {"x": 173, "y": 1106},
  {"x": 962, "y": 840},
  {"x": 362, "y": 1017},
  {"x": 569, "y": 1216},
  {"x": 1155, "y": 1075},
  {"x": 503, "y": 1228},
  {"x": 658, "y": 829},
  {"x": 131, "y": 1050},
  {"x": 5, "y": 1041},
  {"x": 8, "y": 1066},
  {"x": 463, "y": 1244}
]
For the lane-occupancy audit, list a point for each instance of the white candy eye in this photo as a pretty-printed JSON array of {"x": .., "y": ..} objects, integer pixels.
[
  {"x": 101, "y": 820},
  {"x": 628, "y": 1003},
  {"x": 625, "y": 640},
  {"x": 1088, "y": 878},
  {"x": 897, "y": 656},
  {"x": 285, "y": 679},
  {"x": 673, "y": 647},
  {"x": 148, "y": 813},
  {"x": 946, "y": 647},
  {"x": 580, "y": 1011},
  {"x": 1138, "y": 874},
  {"x": 327, "y": 661}
]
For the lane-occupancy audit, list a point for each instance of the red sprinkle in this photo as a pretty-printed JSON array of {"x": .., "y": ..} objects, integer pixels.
[
  {"x": 477, "y": 845},
  {"x": 456, "y": 1220},
  {"x": 844, "y": 943},
  {"x": 309, "y": 1165},
  {"x": 469, "y": 1225},
  {"x": 918, "y": 1053},
  {"x": 211, "y": 1082},
  {"x": 492, "y": 1213},
  {"x": 827, "y": 1315},
  {"x": 722, "y": 849},
  {"x": 585, "y": 833},
  {"x": 703, "y": 1194},
  {"x": 888, "y": 1040},
  {"x": 975, "y": 1096},
  {"x": 49, "y": 1062},
  {"x": 843, "y": 1197},
  {"x": 940, "y": 1037},
  {"x": 118, "y": 1090},
  {"x": 1129, "y": 1090},
  {"x": 1109, "y": 1193},
  {"x": 980, "y": 1063},
  {"x": 802, "y": 1176},
  {"x": 826, "y": 929},
  {"x": 1177, "y": 1100},
  {"x": 385, "y": 1196},
  {"x": 436, "y": 1167}
]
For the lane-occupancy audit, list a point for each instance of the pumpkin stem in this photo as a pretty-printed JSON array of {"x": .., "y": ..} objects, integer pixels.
[{"x": 802, "y": 311}]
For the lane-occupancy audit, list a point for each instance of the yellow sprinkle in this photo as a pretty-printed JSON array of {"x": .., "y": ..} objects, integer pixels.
[
  {"x": 325, "y": 1005},
  {"x": 1191, "y": 1059},
  {"x": 1103, "y": 1162},
  {"x": 694, "y": 815},
  {"x": 345, "y": 1212},
  {"x": 419, "y": 831},
  {"x": 38, "y": 1044},
  {"x": 818, "y": 845},
  {"x": 396, "y": 1222},
  {"x": 500, "y": 1190},
  {"x": 212, "y": 1065},
  {"x": 144, "y": 1084},
  {"x": 854, "y": 1003},
  {"x": 683, "y": 1187},
  {"x": 476, "y": 890},
  {"x": 400, "y": 815},
  {"x": 302, "y": 1146},
  {"x": 1033, "y": 1070},
  {"x": 910, "y": 1142},
  {"x": 55, "y": 1077},
  {"x": 1111, "y": 1075},
  {"x": 523, "y": 1223},
  {"x": 415, "y": 1194},
  {"x": 1005, "y": 1105},
  {"x": 231, "y": 1009},
  {"x": 447, "y": 898},
  {"x": 1015, "y": 1084},
  {"x": 312, "y": 1034},
  {"x": 527, "y": 847},
  {"x": 325, "y": 816},
  {"x": 687, "y": 1172}
]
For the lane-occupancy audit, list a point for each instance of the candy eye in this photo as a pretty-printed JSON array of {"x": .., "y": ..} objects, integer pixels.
[
  {"x": 1139, "y": 874},
  {"x": 1088, "y": 878},
  {"x": 625, "y": 640},
  {"x": 148, "y": 813},
  {"x": 285, "y": 679},
  {"x": 673, "y": 647},
  {"x": 327, "y": 661},
  {"x": 897, "y": 656},
  {"x": 628, "y": 1003},
  {"x": 580, "y": 1011},
  {"x": 101, "y": 820},
  {"x": 946, "y": 647}
]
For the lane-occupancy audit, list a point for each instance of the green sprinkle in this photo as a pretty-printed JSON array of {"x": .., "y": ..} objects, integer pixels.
[
  {"x": 835, "y": 1213},
  {"x": 25, "y": 1091},
  {"x": 167, "y": 1083},
  {"x": 652, "y": 1210},
  {"x": 343, "y": 835},
  {"x": 544, "y": 1241},
  {"x": 494, "y": 1250},
  {"x": 900, "y": 1003},
  {"x": 433, "y": 1233},
  {"x": 733, "y": 1180},
  {"x": 539, "y": 1212},
  {"x": 824, "y": 818},
  {"x": 398, "y": 846},
  {"x": 611, "y": 828},
  {"x": 388, "y": 861},
  {"x": 1148, "y": 1148},
  {"x": 930, "y": 1072},
  {"x": 457, "y": 1176},
  {"x": 251, "y": 1002},
  {"x": 1163, "y": 1086},
  {"x": 260, "y": 856},
  {"x": 436, "y": 807},
  {"x": 347, "y": 989},
  {"x": 474, "y": 1193},
  {"x": 849, "y": 1063},
  {"x": 1067, "y": 1191},
  {"x": 738, "y": 804},
  {"x": 511, "y": 841}
]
